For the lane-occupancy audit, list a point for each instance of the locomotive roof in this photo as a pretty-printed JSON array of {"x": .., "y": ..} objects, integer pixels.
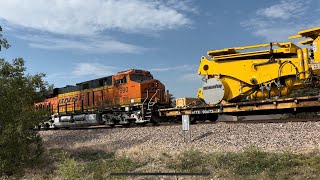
[
  {"x": 94, "y": 82},
  {"x": 94, "y": 79},
  {"x": 133, "y": 70},
  {"x": 121, "y": 72}
]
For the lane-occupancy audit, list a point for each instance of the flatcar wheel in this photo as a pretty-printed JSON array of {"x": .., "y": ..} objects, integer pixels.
[
  {"x": 193, "y": 120},
  {"x": 212, "y": 117}
]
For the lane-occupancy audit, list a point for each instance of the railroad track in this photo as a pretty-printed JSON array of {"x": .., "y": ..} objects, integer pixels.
[
  {"x": 271, "y": 120},
  {"x": 194, "y": 124}
]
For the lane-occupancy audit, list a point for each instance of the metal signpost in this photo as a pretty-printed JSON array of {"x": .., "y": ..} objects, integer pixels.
[{"x": 186, "y": 128}]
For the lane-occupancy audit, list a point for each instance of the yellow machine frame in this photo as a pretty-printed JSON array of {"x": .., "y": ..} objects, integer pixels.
[{"x": 263, "y": 73}]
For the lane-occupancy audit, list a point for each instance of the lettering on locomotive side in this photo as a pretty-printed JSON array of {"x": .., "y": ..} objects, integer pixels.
[
  {"x": 212, "y": 87},
  {"x": 123, "y": 90},
  {"x": 69, "y": 99}
]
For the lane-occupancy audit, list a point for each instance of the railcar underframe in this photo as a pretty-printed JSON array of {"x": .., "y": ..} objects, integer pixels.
[{"x": 261, "y": 107}]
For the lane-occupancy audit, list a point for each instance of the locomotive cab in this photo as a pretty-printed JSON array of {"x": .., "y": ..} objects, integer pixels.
[{"x": 137, "y": 86}]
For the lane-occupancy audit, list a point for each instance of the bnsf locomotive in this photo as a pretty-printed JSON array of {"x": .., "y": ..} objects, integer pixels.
[{"x": 131, "y": 96}]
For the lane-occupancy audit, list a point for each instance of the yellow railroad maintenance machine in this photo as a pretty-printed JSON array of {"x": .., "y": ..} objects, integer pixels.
[{"x": 257, "y": 79}]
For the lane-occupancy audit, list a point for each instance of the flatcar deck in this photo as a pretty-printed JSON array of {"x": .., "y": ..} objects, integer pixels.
[{"x": 286, "y": 105}]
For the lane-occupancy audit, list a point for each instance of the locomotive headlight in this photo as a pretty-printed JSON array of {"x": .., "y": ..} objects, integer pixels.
[
  {"x": 156, "y": 84},
  {"x": 132, "y": 100}
]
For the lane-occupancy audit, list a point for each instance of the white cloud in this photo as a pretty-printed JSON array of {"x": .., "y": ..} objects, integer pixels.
[
  {"x": 93, "y": 45},
  {"x": 80, "y": 72},
  {"x": 84, "y": 70},
  {"x": 182, "y": 5},
  {"x": 283, "y": 19},
  {"x": 185, "y": 67},
  {"x": 284, "y": 9},
  {"x": 277, "y": 34},
  {"x": 82, "y": 25},
  {"x": 96, "y": 69},
  {"x": 94, "y": 16},
  {"x": 190, "y": 77}
]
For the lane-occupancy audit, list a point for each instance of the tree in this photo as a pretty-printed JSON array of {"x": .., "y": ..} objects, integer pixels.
[
  {"x": 172, "y": 100},
  {"x": 19, "y": 143},
  {"x": 3, "y": 42}
]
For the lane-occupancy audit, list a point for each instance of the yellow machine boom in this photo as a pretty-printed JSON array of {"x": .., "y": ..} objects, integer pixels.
[{"x": 232, "y": 74}]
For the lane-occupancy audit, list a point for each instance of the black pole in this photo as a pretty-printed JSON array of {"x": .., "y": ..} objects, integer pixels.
[
  {"x": 88, "y": 98},
  {"x": 81, "y": 105},
  {"x": 102, "y": 95},
  {"x": 92, "y": 98}
]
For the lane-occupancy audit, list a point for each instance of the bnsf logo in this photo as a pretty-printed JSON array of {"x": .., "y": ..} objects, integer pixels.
[
  {"x": 212, "y": 87},
  {"x": 68, "y": 99}
]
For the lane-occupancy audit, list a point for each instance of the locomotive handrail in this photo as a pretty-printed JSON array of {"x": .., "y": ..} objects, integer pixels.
[
  {"x": 142, "y": 107},
  {"x": 152, "y": 97}
]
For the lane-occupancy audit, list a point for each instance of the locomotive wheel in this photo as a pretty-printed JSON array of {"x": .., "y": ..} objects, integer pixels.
[
  {"x": 143, "y": 124},
  {"x": 127, "y": 125},
  {"x": 46, "y": 126},
  {"x": 155, "y": 123}
]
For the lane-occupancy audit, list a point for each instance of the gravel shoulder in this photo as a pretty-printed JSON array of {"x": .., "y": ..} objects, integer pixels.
[{"x": 300, "y": 137}]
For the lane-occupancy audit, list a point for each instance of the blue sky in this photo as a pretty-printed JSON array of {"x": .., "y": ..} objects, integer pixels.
[{"x": 77, "y": 40}]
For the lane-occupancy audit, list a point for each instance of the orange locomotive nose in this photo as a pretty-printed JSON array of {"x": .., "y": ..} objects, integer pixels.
[{"x": 153, "y": 89}]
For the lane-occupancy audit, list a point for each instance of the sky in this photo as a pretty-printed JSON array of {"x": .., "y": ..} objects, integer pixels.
[{"x": 78, "y": 40}]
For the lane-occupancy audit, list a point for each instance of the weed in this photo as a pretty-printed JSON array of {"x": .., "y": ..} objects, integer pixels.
[
  {"x": 68, "y": 169},
  {"x": 190, "y": 161},
  {"x": 92, "y": 155}
]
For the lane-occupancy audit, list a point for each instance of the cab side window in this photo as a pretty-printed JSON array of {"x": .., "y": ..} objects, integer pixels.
[{"x": 120, "y": 81}]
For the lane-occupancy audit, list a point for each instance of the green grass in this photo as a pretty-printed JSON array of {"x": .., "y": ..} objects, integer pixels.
[
  {"x": 251, "y": 163},
  {"x": 92, "y": 164}
]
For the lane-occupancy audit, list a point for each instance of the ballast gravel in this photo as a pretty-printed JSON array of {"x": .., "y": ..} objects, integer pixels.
[{"x": 300, "y": 137}]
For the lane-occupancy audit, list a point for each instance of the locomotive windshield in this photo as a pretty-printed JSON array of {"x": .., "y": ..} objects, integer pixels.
[{"x": 139, "y": 78}]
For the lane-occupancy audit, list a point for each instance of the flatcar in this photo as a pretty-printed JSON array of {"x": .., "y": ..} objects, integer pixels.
[{"x": 131, "y": 96}]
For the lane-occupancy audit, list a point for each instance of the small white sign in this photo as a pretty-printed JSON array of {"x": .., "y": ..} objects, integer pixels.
[
  {"x": 185, "y": 122},
  {"x": 315, "y": 66}
]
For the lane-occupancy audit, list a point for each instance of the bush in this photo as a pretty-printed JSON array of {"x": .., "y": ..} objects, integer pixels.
[{"x": 19, "y": 144}]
